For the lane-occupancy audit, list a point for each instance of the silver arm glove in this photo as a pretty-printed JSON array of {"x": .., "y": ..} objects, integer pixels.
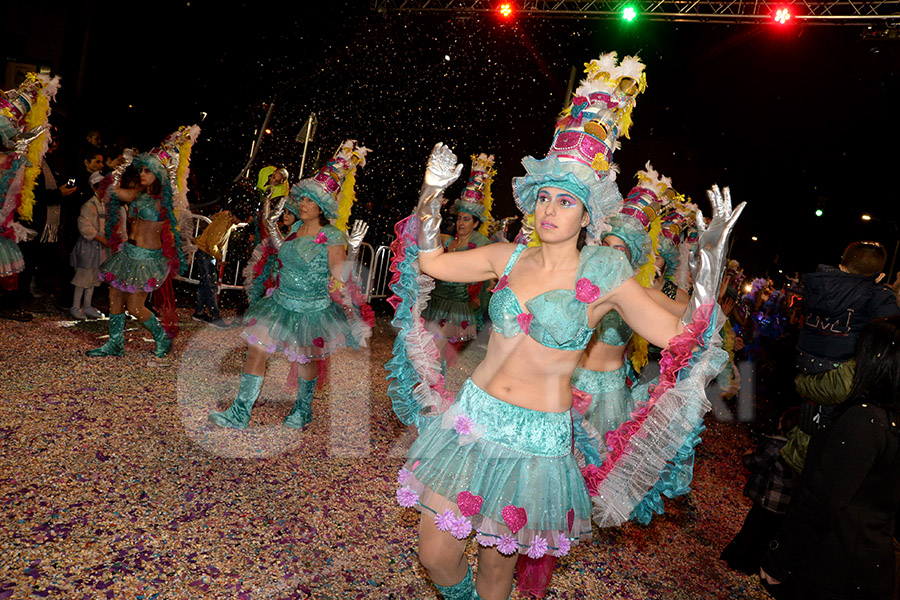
[
  {"x": 708, "y": 262},
  {"x": 354, "y": 241},
  {"x": 270, "y": 220},
  {"x": 442, "y": 171}
]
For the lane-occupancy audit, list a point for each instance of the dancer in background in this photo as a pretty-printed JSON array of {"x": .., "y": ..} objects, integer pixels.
[
  {"x": 292, "y": 310},
  {"x": 154, "y": 251},
  {"x": 451, "y": 312}
]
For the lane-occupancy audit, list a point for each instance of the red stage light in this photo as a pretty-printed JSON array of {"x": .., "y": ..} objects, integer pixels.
[
  {"x": 783, "y": 15},
  {"x": 506, "y": 10}
]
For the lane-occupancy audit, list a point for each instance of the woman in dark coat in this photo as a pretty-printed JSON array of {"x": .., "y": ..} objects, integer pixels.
[{"x": 836, "y": 539}]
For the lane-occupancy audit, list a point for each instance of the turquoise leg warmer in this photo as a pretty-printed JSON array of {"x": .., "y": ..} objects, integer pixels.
[
  {"x": 464, "y": 590},
  {"x": 116, "y": 344},
  {"x": 301, "y": 414},
  {"x": 237, "y": 416},
  {"x": 163, "y": 343}
]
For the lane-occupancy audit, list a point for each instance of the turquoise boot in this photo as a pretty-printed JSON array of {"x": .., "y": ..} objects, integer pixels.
[
  {"x": 237, "y": 416},
  {"x": 116, "y": 344},
  {"x": 163, "y": 342},
  {"x": 464, "y": 590},
  {"x": 301, "y": 414}
]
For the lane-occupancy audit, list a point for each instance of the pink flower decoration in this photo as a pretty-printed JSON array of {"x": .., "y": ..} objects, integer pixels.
[
  {"x": 524, "y": 320},
  {"x": 507, "y": 544},
  {"x": 592, "y": 478},
  {"x": 252, "y": 339},
  {"x": 319, "y": 342},
  {"x": 461, "y": 528},
  {"x": 152, "y": 282},
  {"x": 109, "y": 277},
  {"x": 271, "y": 348},
  {"x": 303, "y": 359},
  {"x": 321, "y": 238},
  {"x": 514, "y": 517},
  {"x": 501, "y": 283},
  {"x": 270, "y": 291},
  {"x": 585, "y": 291},
  {"x": 563, "y": 545},
  {"x": 538, "y": 548},
  {"x": 403, "y": 476},
  {"x": 407, "y": 497},
  {"x": 464, "y": 324},
  {"x": 469, "y": 504},
  {"x": 463, "y": 425},
  {"x": 472, "y": 245},
  {"x": 131, "y": 288},
  {"x": 148, "y": 288},
  {"x": 445, "y": 521},
  {"x": 581, "y": 401},
  {"x": 486, "y": 540}
]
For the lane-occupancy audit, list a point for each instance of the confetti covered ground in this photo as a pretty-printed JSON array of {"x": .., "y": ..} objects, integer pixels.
[{"x": 113, "y": 486}]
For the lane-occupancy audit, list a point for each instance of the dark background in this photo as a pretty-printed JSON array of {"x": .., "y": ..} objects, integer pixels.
[{"x": 791, "y": 118}]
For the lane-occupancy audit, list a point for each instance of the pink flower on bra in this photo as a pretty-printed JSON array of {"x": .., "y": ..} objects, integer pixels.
[
  {"x": 321, "y": 238},
  {"x": 585, "y": 291},
  {"x": 501, "y": 283},
  {"x": 524, "y": 320}
]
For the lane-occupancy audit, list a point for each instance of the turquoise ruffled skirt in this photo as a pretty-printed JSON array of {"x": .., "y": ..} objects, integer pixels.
[
  {"x": 11, "y": 259},
  {"x": 449, "y": 312},
  {"x": 135, "y": 269},
  {"x": 303, "y": 329},
  {"x": 504, "y": 471},
  {"x": 611, "y": 400}
]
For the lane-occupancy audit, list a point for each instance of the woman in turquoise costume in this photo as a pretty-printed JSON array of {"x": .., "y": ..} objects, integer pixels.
[
  {"x": 451, "y": 312},
  {"x": 496, "y": 460},
  {"x": 154, "y": 250},
  {"x": 296, "y": 314}
]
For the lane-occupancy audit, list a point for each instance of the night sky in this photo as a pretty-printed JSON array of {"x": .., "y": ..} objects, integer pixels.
[{"x": 789, "y": 118}]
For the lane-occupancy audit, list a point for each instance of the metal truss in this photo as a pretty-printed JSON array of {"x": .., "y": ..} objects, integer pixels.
[{"x": 830, "y": 12}]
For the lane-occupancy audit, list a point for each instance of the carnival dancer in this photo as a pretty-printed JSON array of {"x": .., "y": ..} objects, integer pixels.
[
  {"x": 451, "y": 312},
  {"x": 24, "y": 139},
  {"x": 497, "y": 460},
  {"x": 154, "y": 251},
  {"x": 292, "y": 310}
]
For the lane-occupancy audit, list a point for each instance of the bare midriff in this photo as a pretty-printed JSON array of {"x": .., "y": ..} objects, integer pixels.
[
  {"x": 522, "y": 372},
  {"x": 602, "y": 357},
  {"x": 146, "y": 234}
]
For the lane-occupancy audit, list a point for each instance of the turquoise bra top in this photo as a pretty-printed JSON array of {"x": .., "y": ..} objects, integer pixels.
[
  {"x": 613, "y": 330},
  {"x": 558, "y": 318},
  {"x": 144, "y": 207}
]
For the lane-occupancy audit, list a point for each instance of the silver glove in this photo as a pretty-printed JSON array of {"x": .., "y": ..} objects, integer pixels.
[
  {"x": 709, "y": 260},
  {"x": 270, "y": 219},
  {"x": 442, "y": 171},
  {"x": 354, "y": 241},
  {"x": 21, "y": 142}
]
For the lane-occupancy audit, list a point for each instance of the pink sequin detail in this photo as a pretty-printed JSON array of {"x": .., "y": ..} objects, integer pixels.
[
  {"x": 514, "y": 517},
  {"x": 321, "y": 238},
  {"x": 319, "y": 342},
  {"x": 570, "y": 518},
  {"x": 501, "y": 283},
  {"x": 469, "y": 504},
  {"x": 581, "y": 401},
  {"x": 585, "y": 291},
  {"x": 524, "y": 320}
]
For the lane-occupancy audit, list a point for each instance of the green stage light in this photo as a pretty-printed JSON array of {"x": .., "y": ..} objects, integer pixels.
[{"x": 629, "y": 13}]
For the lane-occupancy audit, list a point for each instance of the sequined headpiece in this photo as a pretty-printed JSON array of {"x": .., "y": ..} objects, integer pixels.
[
  {"x": 587, "y": 132},
  {"x": 323, "y": 187},
  {"x": 476, "y": 200}
]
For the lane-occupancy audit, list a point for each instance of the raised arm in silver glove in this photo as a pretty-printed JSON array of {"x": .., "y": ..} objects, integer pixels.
[
  {"x": 442, "y": 171},
  {"x": 354, "y": 241},
  {"x": 270, "y": 219},
  {"x": 708, "y": 262}
]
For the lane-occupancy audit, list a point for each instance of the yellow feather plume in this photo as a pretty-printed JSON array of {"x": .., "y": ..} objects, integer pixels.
[
  {"x": 346, "y": 198},
  {"x": 488, "y": 203},
  {"x": 37, "y": 116}
]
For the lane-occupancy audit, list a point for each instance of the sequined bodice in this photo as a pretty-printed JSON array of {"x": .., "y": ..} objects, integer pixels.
[
  {"x": 558, "y": 318},
  {"x": 304, "y": 272},
  {"x": 144, "y": 207},
  {"x": 613, "y": 330}
]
